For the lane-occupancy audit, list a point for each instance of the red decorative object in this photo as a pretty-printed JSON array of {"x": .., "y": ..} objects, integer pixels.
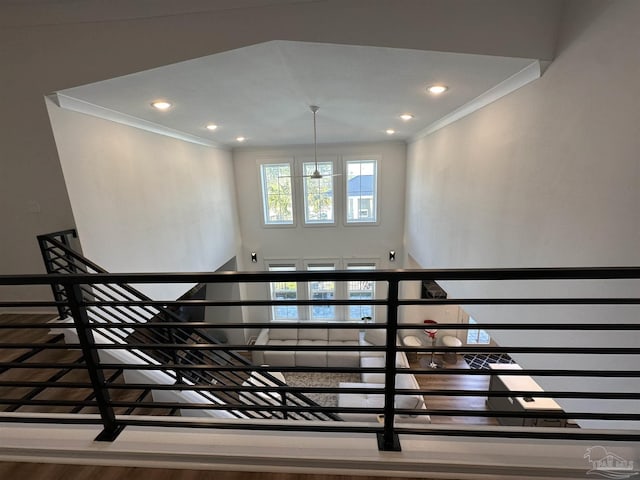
[{"x": 432, "y": 333}]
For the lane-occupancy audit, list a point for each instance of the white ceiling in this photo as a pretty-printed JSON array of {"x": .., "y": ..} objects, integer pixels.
[{"x": 263, "y": 93}]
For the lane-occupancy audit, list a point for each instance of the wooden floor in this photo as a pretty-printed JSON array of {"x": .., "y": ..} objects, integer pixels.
[
  {"x": 16, "y": 470},
  {"x": 454, "y": 382},
  {"x": 38, "y": 471},
  {"x": 58, "y": 373}
]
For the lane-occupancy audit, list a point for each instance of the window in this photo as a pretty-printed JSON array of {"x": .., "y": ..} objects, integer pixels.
[
  {"x": 284, "y": 291},
  {"x": 322, "y": 290},
  {"x": 476, "y": 336},
  {"x": 361, "y": 191},
  {"x": 277, "y": 197},
  {"x": 360, "y": 290},
  {"x": 318, "y": 193}
]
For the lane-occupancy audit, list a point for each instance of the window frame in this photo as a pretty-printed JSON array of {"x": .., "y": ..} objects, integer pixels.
[
  {"x": 472, "y": 321},
  {"x": 335, "y": 264},
  {"x": 282, "y": 263},
  {"x": 261, "y": 163},
  {"x": 350, "y": 159},
  {"x": 334, "y": 165},
  {"x": 354, "y": 263}
]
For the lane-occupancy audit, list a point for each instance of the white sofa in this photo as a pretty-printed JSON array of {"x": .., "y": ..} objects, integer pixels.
[
  {"x": 404, "y": 381},
  {"x": 327, "y": 337},
  {"x": 293, "y": 337},
  {"x": 376, "y": 400}
]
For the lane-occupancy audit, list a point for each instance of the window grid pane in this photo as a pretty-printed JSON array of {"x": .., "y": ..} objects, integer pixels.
[
  {"x": 360, "y": 290},
  {"x": 284, "y": 291},
  {"x": 277, "y": 194},
  {"x": 318, "y": 193},
  {"x": 361, "y": 191},
  {"x": 477, "y": 336},
  {"x": 322, "y": 290}
]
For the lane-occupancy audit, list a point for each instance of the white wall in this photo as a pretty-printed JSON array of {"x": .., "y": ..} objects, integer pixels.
[
  {"x": 145, "y": 202},
  {"x": 361, "y": 241},
  {"x": 48, "y": 46},
  {"x": 547, "y": 176},
  {"x": 339, "y": 242}
]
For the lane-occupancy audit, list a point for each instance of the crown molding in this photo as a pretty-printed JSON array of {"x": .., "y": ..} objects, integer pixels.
[
  {"x": 528, "y": 74},
  {"x": 81, "y": 106}
]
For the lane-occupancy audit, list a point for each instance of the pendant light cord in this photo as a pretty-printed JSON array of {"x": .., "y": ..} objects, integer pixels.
[{"x": 314, "y": 109}]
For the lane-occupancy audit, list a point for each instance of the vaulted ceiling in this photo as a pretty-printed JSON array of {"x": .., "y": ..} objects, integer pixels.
[{"x": 263, "y": 93}]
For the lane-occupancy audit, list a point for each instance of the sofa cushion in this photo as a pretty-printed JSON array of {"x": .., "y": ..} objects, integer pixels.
[
  {"x": 407, "y": 381},
  {"x": 376, "y": 336},
  {"x": 343, "y": 359},
  {"x": 313, "y": 334},
  {"x": 343, "y": 334},
  {"x": 283, "y": 334},
  {"x": 376, "y": 400},
  {"x": 283, "y": 358},
  {"x": 377, "y": 362},
  {"x": 311, "y": 358}
]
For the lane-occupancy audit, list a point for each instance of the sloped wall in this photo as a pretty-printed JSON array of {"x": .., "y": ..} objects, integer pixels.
[
  {"x": 547, "y": 176},
  {"x": 144, "y": 202}
]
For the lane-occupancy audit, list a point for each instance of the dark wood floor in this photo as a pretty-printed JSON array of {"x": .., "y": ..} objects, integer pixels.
[
  {"x": 427, "y": 382},
  {"x": 454, "y": 382},
  {"x": 37, "y": 471},
  {"x": 11, "y": 470},
  {"x": 58, "y": 372}
]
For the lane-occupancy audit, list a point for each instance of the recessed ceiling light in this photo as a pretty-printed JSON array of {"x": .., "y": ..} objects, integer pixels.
[
  {"x": 437, "y": 89},
  {"x": 161, "y": 105},
  {"x": 391, "y": 131},
  {"x": 212, "y": 127},
  {"x": 406, "y": 117},
  {"x": 240, "y": 139}
]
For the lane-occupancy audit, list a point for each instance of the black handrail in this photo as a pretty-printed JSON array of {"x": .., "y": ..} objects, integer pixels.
[{"x": 387, "y": 431}]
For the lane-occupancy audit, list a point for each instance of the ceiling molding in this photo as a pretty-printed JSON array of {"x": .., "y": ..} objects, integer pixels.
[
  {"x": 528, "y": 74},
  {"x": 81, "y": 106}
]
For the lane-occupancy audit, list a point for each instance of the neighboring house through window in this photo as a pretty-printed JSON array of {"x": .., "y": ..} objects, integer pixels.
[{"x": 361, "y": 191}]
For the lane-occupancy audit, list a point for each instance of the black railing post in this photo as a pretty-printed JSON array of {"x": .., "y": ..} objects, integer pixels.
[
  {"x": 388, "y": 440},
  {"x": 56, "y": 289},
  {"x": 285, "y": 413},
  {"x": 90, "y": 354}
]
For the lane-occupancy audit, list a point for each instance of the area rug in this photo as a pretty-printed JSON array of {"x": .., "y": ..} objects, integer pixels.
[
  {"x": 476, "y": 360},
  {"x": 306, "y": 379}
]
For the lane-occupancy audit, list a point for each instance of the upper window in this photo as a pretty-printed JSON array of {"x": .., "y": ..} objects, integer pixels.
[
  {"x": 284, "y": 290},
  {"x": 318, "y": 193},
  {"x": 361, "y": 290},
  {"x": 277, "y": 197},
  {"x": 361, "y": 191}
]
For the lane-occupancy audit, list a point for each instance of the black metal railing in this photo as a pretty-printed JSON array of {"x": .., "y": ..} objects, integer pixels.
[
  {"x": 245, "y": 405},
  {"x": 61, "y": 258}
]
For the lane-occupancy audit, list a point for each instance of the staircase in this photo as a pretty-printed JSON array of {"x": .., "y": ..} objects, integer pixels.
[{"x": 60, "y": 258}]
